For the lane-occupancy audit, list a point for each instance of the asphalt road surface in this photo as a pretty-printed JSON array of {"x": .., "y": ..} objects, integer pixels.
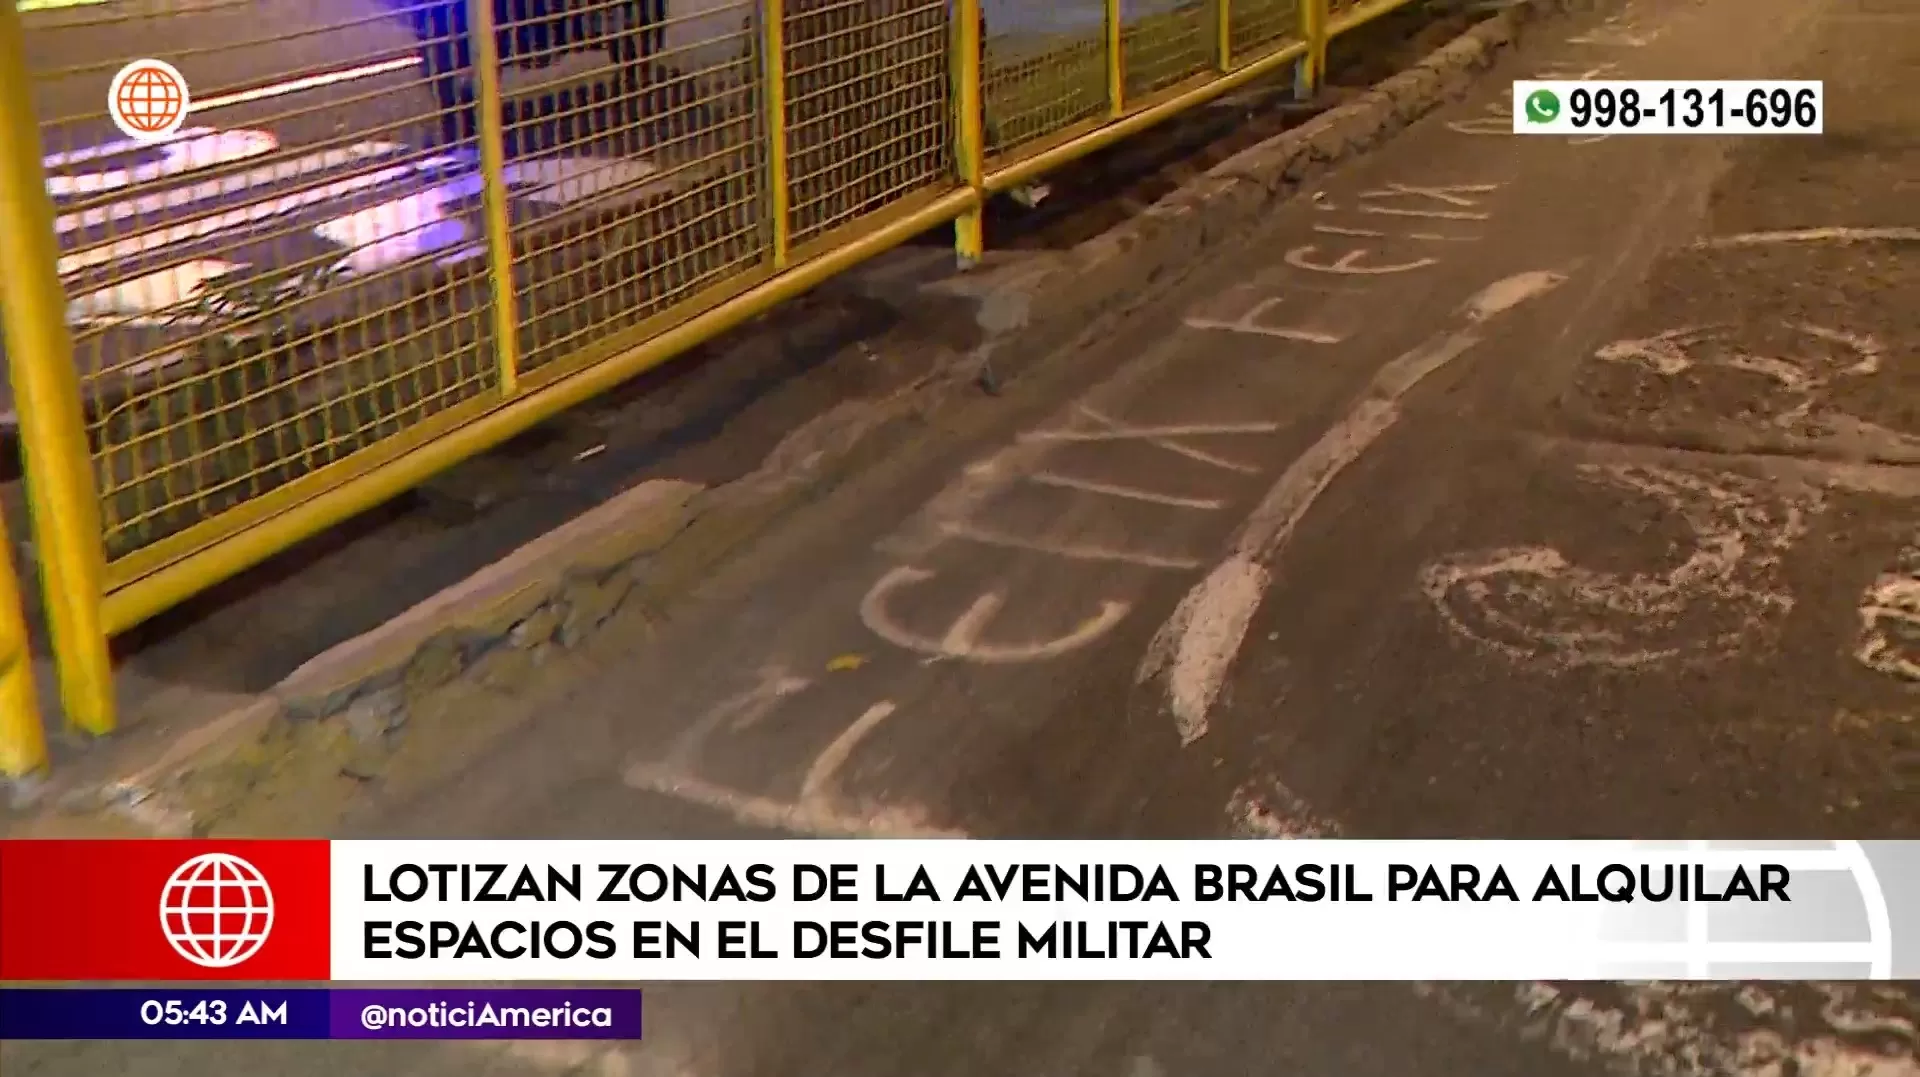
[{"x": 1501, "y": 487}]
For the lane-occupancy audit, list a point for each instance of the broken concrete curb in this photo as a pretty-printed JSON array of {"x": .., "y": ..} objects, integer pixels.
[
  {"x": 584, "y": 561},
  {"x": 653, "y": 542}
]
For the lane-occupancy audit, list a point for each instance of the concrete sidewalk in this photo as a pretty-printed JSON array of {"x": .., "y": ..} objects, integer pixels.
[{"x": 1605, "y": 569}]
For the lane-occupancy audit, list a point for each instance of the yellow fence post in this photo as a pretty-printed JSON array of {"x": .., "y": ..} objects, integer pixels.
[
  {"x": 493, "y": 180},
  {"x": 773, "y": 42},
  {"x": 23, "y": 740},
  {"x": 1313, "y": 63},
  {"x": 1116, "y": 62},
  {"x": 970, "y": 143},
  {"x": 1223, "y": 34},
  {"x": 46, "y": 390}
]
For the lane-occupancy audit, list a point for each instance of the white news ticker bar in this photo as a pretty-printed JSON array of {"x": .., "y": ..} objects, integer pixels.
[
  {"x": 773, "y": 922},
  {"x": 1650, "y": 107}
]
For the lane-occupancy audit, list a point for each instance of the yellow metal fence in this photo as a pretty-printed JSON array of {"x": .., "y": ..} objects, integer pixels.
[{"x": 394, "y": 233}]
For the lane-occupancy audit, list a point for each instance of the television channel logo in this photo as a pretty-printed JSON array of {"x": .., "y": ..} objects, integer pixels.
[
  {"x": 148, "y": 101},
  {"x": 216, "y": 910}
]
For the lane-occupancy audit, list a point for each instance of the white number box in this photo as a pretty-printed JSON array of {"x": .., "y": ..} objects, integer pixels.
[{"x": 1615, "y": 107}]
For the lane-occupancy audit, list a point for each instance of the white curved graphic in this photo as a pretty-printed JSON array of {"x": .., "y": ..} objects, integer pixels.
[
  {"x": 1879, "y": 920},
  {"x": 1784, "y": 940},
  {"x": 1531, "y": 603}
]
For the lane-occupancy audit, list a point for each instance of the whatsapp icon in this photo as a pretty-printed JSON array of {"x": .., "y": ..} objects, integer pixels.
[{"x": 1543, "y": 106}]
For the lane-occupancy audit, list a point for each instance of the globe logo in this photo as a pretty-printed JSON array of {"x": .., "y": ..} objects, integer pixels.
[
  {"x": 1839, "y": 925},
  {"x": 148, "y": 100},
  {"x": 216, "y": 910}
]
